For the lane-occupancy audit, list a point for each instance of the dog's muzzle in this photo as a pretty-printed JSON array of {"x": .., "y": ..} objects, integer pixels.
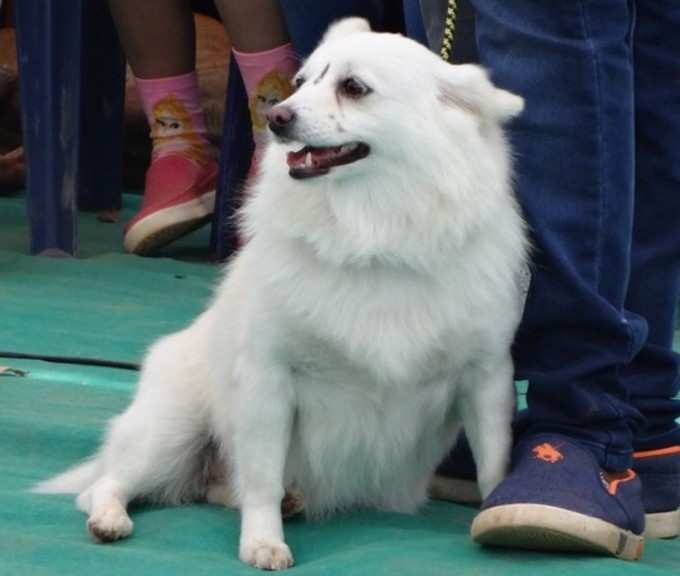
[{"x": 311, "y": 161}]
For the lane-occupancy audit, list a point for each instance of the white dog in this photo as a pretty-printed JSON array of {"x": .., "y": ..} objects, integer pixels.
[{"x": 368, "y": 317}]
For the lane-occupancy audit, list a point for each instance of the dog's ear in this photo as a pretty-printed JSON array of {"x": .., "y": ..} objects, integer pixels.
[
  {"x": 468, "y": 87},
  {"x": 345, "y": 27}
]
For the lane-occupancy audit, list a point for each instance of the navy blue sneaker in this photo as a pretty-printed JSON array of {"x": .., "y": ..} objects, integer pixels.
[
  {"x": 557, "y": 498},
  {"x": 659, "y": 471},
  {"x": 456, "y": 477}
]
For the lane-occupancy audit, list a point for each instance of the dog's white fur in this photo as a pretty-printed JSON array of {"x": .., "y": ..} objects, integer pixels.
[{"x": 369, "y": 315}]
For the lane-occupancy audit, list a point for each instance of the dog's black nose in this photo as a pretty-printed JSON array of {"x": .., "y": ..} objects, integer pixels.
[{"x": 280, "y": 118}]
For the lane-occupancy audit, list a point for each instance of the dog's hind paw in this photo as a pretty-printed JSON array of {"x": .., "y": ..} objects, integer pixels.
[
  {"x": 266, "y": 555},
  {"x": 110, "y": 525}
]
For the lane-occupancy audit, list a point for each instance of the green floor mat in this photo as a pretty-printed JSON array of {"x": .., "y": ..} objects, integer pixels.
[
  {"x": 106, "y": 304},
  {"x": 103, "y": 303},
  {"x": 55, "y": 416}
]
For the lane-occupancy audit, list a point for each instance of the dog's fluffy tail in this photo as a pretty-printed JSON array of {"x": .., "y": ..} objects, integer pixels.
[{"x": 73, "y": 481}]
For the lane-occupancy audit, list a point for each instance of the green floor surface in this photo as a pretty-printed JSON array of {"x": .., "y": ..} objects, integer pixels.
[
  {"x": 104, "y": 303},
  {"x": 112, "y": 305},
  {"x": 55, "y": 416}
]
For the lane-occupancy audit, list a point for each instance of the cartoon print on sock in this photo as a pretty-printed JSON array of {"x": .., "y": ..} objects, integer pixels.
[
  {"x": 173, "y": 130},
  {"x": 274, "y": 87}
]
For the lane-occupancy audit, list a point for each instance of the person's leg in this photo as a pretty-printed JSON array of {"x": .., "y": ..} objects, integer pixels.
[
  {"x": 653, "y": 377},
  {"x": 165, "y": 72},
  {"x": 180, "y": 183},
  {"x": 575, "y": 157},
  {"x": 413, "y": 21},
  {"x": 307, "y": 20},
  {"x": 574, "y": 146},
  {"x": 253, "y": 26},
  {"x": 264, "y": 55},
  {"x": 144, "y": 29},
  {"x": 654, "y": 288}
]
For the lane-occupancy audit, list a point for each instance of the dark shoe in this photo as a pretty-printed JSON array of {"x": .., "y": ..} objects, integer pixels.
[
  {"x": 558, "y": 498},
  {"x": 659, "y": 471},
  {"x": 456, "y": 477}
]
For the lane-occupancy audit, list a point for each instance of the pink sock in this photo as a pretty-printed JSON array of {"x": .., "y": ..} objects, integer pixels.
[
  {"x": 266, "y": 76},
  {"x": 173, "y": 109}
]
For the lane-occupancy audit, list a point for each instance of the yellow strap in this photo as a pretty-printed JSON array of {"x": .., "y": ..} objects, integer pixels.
[{"x": 449, "y": 30}]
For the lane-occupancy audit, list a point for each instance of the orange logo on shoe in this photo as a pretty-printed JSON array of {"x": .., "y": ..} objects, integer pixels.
[
  {"x": 548, "y": 453},
  {"x": 612, "y": 480}
]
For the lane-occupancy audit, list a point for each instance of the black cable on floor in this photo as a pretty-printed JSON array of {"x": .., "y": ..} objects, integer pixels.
[{"x": 72, "y": 360}]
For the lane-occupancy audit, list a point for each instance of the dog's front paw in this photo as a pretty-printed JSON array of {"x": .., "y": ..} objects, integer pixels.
[
  {"x": 266, "y": 554},
  {"x": 110, "y": 525}
]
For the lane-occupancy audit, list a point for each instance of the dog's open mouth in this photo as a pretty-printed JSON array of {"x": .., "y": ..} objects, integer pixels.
[{"x": 313, "y": 161}]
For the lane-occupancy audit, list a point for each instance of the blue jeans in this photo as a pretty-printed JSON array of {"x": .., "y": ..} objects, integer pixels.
[
  {"x": 307, "y": 20},
  {"x": 598, "y": 176}
]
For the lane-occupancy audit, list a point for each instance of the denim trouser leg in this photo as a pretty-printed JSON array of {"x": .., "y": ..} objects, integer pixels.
[
  {"x": 307, "y": 20},
  {"x": 654, "y": 285},
  {"x": 572, "y": 62}
]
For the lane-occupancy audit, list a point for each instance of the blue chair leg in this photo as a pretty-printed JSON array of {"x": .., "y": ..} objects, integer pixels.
[
  {"x": 49, "y": 56},
  {"x": 236, "y": 153},
  {"x": 103, "y": 101}
]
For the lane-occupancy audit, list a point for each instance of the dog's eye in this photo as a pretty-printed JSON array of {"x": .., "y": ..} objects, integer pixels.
[
  {"x": 353, "y": 88},
  {"x": 299, "y": 81}
]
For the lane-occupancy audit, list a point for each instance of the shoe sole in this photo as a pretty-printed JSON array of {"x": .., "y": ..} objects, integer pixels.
[
  {"x": 166, "y": 225},
  {"x": 548, "y": 528},
  {"x": 459, "y": 491},
  {"x": 662, "y": 524}
]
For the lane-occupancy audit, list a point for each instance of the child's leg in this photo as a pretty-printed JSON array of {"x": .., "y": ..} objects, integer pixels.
[
  {"x": 144, "y": 29},
  {"x": 264, "y": 55},
  {"x": 180, "y": 183}
]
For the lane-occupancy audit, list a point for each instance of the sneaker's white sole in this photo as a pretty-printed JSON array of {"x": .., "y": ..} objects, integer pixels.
[
  {"x": 662, "y": 524},
  {"x": 459, "y": 491},
  {"x": 168, "y": 224},
  {"x": 541, "y": 527}
]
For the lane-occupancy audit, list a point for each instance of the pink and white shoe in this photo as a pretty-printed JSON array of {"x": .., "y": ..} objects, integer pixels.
[{"x": 179, "y": 197}]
